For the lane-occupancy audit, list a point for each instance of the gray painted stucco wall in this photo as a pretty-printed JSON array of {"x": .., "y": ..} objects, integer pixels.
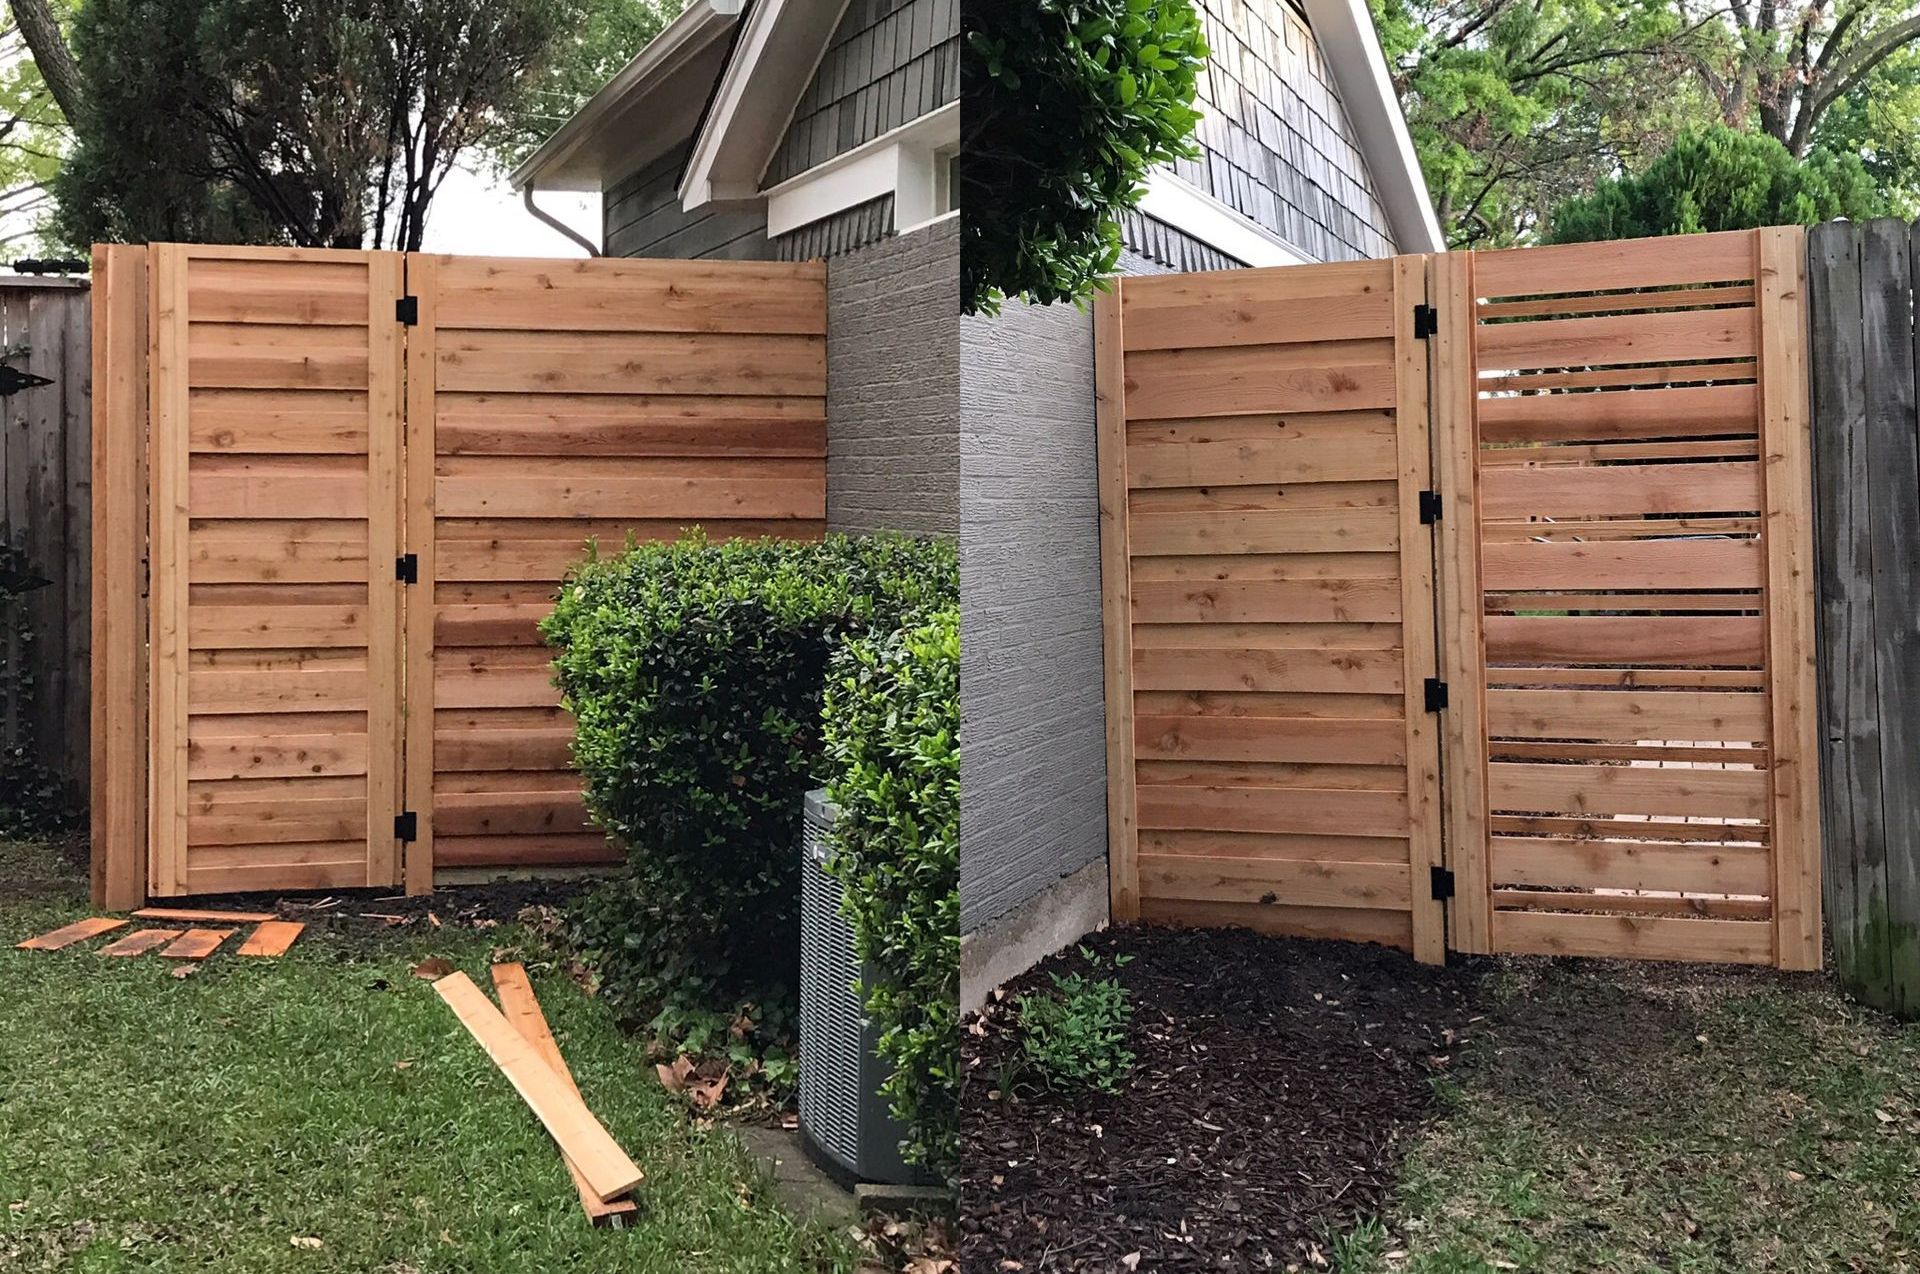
[
  {"x": 1033, "y": 795},
  {"x": 642, "y": 217},
  {"x": 893, "y": 384}
]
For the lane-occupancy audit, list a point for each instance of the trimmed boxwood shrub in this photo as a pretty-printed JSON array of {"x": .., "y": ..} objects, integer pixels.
[
  {"x": 696, "y": 673},
  {"x": 893, "y": 741}
]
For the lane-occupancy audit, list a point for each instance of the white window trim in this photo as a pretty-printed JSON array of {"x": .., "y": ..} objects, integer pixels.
[
  {"x": 901, "y": 163},
  {"x": 1194, "y": 212}
]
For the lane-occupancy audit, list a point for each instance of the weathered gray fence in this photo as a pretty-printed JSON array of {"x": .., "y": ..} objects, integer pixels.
[
  {"x": 45, "y": 518},
  {"x": 1867, "y": 512}
]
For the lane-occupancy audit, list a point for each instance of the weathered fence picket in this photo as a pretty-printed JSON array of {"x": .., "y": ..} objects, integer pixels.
[{"x": 1867, "y": 503}]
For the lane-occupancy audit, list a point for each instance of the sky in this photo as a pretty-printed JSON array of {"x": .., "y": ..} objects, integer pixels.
[{"x": 478, "y": 213}]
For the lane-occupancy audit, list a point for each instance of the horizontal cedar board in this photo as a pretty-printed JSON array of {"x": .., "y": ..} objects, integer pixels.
[
  {"x": 1352, "y": 530},
  {"x": 1294, "y": 848},
  {"x": 1635, "y": 904},
  {"x": 283, "y": 754},
  {"x": 268, "y": 818},
  {"x": 1230, "y": 451},
  {"x": 1275, "y": 601},
  {"x": 277, "y": 551},
  {"x": 582, "y": 850},
  {"x": 1559, "y": 453},
  {"x": 802, "y": 495},
  {"x": 509, "y": 813},
  {"x": 1607, "y": 827},
  {"x": 1272, "y": 739},
  {"x": 1318, "y": 884},
  {"x": 1537, "y": 676},
  {"x": 546, "y": 434},
  {"x": 67, "y": 935},
  {"x": 1266, "y": 636},
  {"x": 514, "y": 556},
  {"x": 196, "y": 944},
  {"x": 276, "y": 422},
  {"x": 1684, "y": 527},
  {"x": 139, "y": 942},
  {"x": 1264, "y": 498},
  {"x": 1321, "y": 811},
  {"x": 1727, "y": 486},
  {"x": 1258, "y": 307},
  {"x": 1724, "y": 257},
  {"x": 1624, "y": 864},
  {"x": 193, "y": 914},
  {"x": 1258, "y": 387},
  {"x": 1633, "y": 937},
  {"x": 1195, "y": 772},
  {"x": 1688, "y": 411},
  {"x": 265, "y": 873},
  {"x": 1682, "y": 565},
  {"x": 1317, "y": 671},
  {"x": 467, "y": 686},
  {"x": 1259, "y": 566},
  {"x": 272, "y": 938},
  {"x": 1245, "y": 703},
  {"x": 277, "y": 690},
  {"x": 1622, "y": 789},
  {"x": 626, "y": 363},
  {"x": 508, "y": 624},
  {"x": 1624, "y": 639},
  {"x": 605, "y": 294},
  {"x": 237, "y": 356},
  {"x": 480, "y": 749},
  {"x": 325, "y": 294},
  {"x": 236, "y": 627},
  {"x": 1341, "y": 924},
  {"x": 1620, "y": 302},
  {"x": 1670, "y": 336}
]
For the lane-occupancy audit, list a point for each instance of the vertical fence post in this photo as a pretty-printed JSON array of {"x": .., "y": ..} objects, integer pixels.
[
  {"x": 119, "y": 548},
  {"x": 1116, "y": 604}
]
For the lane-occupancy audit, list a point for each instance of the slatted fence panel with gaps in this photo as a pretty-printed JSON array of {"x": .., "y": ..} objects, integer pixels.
[
  {"x": 275, "y": 388},
  {"x": 1867, "y": 461},
  {"x": 1269, "y": 601},
  {"x": 557, "y": 402},
  {"x": 1628, "y": 545}
]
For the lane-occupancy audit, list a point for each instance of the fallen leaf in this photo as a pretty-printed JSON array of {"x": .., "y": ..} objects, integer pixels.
[
  {"x": 185, "y": 970},
  {"x": 308, "y": 1242},
  {"x": 1131, "y": 1260},
  {"x": 402, "y": 1064},
  {"x": 673, "y": 1077},
  {"x": 433, "y": 967},
  {"x": 705, "y": 1093},
  {"x": 1883, "y": 1116}
]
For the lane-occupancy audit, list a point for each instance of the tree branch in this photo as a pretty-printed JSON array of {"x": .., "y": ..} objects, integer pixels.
[{"x": 40, "y": 28}]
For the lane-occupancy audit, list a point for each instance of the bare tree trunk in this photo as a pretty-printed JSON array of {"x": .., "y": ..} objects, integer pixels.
[{"x": 41, "y": 30}]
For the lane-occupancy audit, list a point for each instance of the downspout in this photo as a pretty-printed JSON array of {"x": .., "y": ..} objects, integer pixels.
[{"x": 526, "y": 197}]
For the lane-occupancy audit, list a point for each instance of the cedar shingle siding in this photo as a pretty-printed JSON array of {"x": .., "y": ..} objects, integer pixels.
[
  {"x": 643, "y": 218},
  {"x": 1277, "y": 144},
  {"x": 889, "y": 62}
]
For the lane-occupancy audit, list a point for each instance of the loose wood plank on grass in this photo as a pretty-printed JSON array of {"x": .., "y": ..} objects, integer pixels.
[
  {"x": 272, "y": 938},
  {"x": 522, "y": 1008},
  {"x": 139, "y": 942},
  {"x": 586, "y": 1144},
  {"x": 197, "y": 944},
  {"x": 67, "y": 935},
  {"x": 189, "y": 916}
]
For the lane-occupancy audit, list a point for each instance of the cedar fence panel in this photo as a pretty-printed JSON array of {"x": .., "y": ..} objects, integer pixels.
[
  {"x": 1868, "y": 470},
  {"x": 45, "y": 528}
]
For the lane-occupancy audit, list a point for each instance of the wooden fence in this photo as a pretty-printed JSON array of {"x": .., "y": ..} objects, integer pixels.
[
  {"x": 365, "y": 474},
  {"x": 1481, "y": 580},
  {"x": 1867, "y": 465},
  {"x": 45, "y": 478}
]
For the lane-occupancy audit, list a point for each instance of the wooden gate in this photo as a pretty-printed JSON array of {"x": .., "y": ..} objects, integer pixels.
[
  {"x": 1619, "y": 623},
  {"x": 366, "y": 474},
  {"x": 1270, "y": 600}
]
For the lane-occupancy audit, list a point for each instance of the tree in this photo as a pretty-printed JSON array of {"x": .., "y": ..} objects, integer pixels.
[
  {"x": 33, "y": 137},
  {"x": 607, "y": 35},
  {"x": 1515, "y": 106},
  {"x": 310, "y": 122},
  {"x": 1720, "y": 179},
  {"x": 1067, "y": 104}
]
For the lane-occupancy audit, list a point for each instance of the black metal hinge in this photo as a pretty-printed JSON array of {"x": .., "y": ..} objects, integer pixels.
[
  {"x": 1442, "y": 884},
  {"x": 407, "y": 310},
  {"x": 1429, "y": 507},
  {"x": 1426, "y": 321},
  {"x": 406, "y": 827},
  {"x": 406, "y": 568},
  {"x": 1436, "y": 695}
]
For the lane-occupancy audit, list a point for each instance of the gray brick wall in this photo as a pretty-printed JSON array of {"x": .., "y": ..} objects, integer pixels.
[
  {"x": 888, "y": 62},
  {"x": 1276, "y": 141},
  {"x": 1033, "y": 794},
  {"x": 642, "y": 217},
  {"x": 893, "y": 384}
]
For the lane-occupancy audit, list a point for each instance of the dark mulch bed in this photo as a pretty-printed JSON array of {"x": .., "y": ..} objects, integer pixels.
[{"x": 1272, "y": 1081}]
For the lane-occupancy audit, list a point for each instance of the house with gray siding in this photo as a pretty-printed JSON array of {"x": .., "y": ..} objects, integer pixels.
[
  {"x": 790, "y": 130},
  {"x": 1305, "y": 157}
]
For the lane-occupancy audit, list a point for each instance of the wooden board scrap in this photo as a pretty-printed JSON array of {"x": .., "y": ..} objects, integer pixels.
[
  {"x": 190, "y": 916},
  {"x": 197, "y": 944},
  {"x": 139, "y": 942},
  {"x": 272, "y": 938},
  {"x": 608, "y": 1171},
  {"x": 67, "y": 935},
  {"x": 522, "y": 1009}
]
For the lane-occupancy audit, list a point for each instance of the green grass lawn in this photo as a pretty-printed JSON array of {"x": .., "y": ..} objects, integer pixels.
[
  {"x": 1615, "y": 1117},
  {"x": 206, "y": 1123}
]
